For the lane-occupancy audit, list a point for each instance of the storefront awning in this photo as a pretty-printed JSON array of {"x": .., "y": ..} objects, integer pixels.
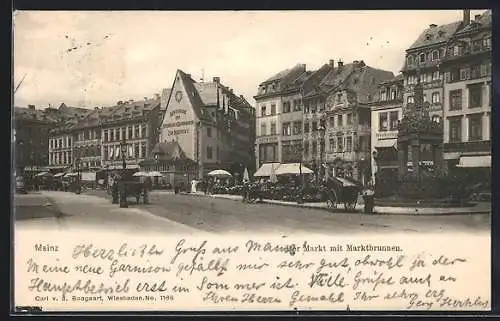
[
  {"x": 475, "y": 161},
  {"x": 59, "y": 174},
  {"x": 449, "y": 156},
  {"x": 386, "y": 143},
  {"x": 266, "y": 169},
  {"x": 292, "y": 169}
]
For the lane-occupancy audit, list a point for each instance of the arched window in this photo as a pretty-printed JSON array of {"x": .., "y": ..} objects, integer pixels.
[
  {"x": 409, "y": 60},
  {"x": 422, "y": 57},
  {"x": 435, "y": 55}
]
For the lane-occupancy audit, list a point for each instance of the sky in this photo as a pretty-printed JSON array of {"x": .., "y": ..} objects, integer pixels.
[{"x": 132, "y": 55}]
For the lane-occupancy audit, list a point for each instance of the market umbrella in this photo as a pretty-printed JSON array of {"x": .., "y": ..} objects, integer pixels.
[
  {"x": 246, "y": 177},
  {"x": 155, "y": 174},
  {"x": 140, "y": 174},
  {"x": 219, "y": 173}
]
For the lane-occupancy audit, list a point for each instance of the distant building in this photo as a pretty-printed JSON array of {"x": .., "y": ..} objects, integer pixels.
[
  {"x": 213, "y": 126},
  {"x": 387, "y": 111},
  {"x": 467, "y": 66},
  {"x": 31, "y": 131},
  {"x": 348, "y": 118}
]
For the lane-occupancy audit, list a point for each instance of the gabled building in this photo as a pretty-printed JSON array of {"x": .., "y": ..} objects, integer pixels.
[
  {"x": 351, "y": 88},
  {"x": 467, "y": 67},
  {"x": 214, "y": 126}
]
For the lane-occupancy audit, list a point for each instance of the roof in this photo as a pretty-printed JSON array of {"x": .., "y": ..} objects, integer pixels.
[
  {"x": 287, "y": 74},
  {"x": 169, "y": 151},
  {"x": 484, "y": 22},
  {"x": 435, "y": 35},
  {"x": 32, "y": 114}
]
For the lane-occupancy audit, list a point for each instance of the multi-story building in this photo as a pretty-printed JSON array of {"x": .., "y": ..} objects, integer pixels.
[
  {"x": 467, "y": 91},
  {"x": 423, "y": 60},
  {"x": 386, "y": 112},
  {"x": 134, "y": 122},
  {"x": 279, "y": 116},
  {"x": 213, "y": 126},
  {"x": 31, "y": 131},
  {"x": 347, "y": 119},
  {"x": 61, "y": 136}
]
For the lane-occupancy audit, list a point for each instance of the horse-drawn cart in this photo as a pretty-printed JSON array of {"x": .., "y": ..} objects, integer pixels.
[{"x": 339, "y": 190}]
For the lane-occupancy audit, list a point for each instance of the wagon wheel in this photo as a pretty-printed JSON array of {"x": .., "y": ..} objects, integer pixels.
[
  {"x": 331, "y": 201},
  {"x": 350, "y": 205}
]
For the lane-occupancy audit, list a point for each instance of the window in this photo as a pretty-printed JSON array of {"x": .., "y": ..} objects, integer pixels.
[
  {"x": 306, "y": 108},
  {"x": 273, "y": 109},
  {"x": 435, "y": 55},
  {"x": 456, "y": 99},
  {"x": 263, "y": 129},
  {"x": 475, "y": 71},
  {"x": 273, "y": 128},
  {"x": 383, "y": 95},
  {"x": 487, "y": 43},
  {"x": 475, "y": 128},
  {"x": 332, "y": 144},
  {"x": 393, "y": 94},
  {"x": 136, "y": 150},
  {"x": 436, "y": 97},
  {"x": 209, "y": 131},
  {"x": 393, "y": 116},
  {"x": 383, "y": 124},
  {"x": 314, "y": 126},
  {"x": 143, "y": 131},
  {"x": 340, "y": 144},
  {"x": 422, "y": 57},
  {"x": 456, "y": 50},
  {"x": 124, "y": 133},
  {"x": 306, "y": 127},
  {"x": 137, "y": 131},
  {"x": 314, "y": 148},
  {"x": 410, "y": 100},
  {"x": 455, "y": 129},
  {"x": 435, "y": 75},
  {"x": 331, "y": 121},
  {"x": 348, "y": 144},
  {"x": 111, "y": 135},
  {"x": 130, "y": 130},
  {"x": 287, "y": 129},
  {"x": 297, "y": 128},
  {"x": 296, "y": 105},
  {"x": 286, "y": 107},
  {"x": 436, "y": 119},
  {"x": 475, "y": 96},
  {"x": 339, "y": 98},
  {"x": 409, "y": 60},
  {"x": 425, "y": 98},
  {"x": 143, "y": 150},
  {"x": 263, "y": 110},
  {"x": 422, "y": 78},
  {"x": 340, "y": 121},
  {"x": 349, "y": 119},
  {"x": 209, "y": 152},
  {"x": 464, "y": 73}
]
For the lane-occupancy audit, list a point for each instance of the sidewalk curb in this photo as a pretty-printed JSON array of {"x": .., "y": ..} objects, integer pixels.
[{"x": 357, "y": 211}]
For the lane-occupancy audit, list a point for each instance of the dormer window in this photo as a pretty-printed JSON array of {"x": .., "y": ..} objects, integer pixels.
[
  {"x": 428, "y": 37},
  {"x": 441, "y": 33}
]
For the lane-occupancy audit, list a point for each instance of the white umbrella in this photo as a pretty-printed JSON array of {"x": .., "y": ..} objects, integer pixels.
[
  {"x": 219, "y": 173},
  {"x": 155, "y": 174},
  {"x": 246, "y": 177},
  {"x": 140, "y": 174}
]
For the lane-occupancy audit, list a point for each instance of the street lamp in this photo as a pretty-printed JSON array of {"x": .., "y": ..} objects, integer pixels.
[
  {"x": 123, "y": 190},
  {"x": 375, "y": 169}
]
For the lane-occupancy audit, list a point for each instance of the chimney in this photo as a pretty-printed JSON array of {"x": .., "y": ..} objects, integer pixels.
[
  {"x": 119, "y": 102},
  {"x": 477, "y": 17},
  {"x": 340, "y": 63},
  {"x": 332, "y": 63},
  {"x": 217, "y": 80},
  {"x": 32, "y": 107},
  {"x": 466, "y": 19},
  {"x": 432, "y": 25}
]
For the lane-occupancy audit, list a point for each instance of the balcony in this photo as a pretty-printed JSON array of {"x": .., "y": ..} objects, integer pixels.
[{"x": 87, "y": 142}]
